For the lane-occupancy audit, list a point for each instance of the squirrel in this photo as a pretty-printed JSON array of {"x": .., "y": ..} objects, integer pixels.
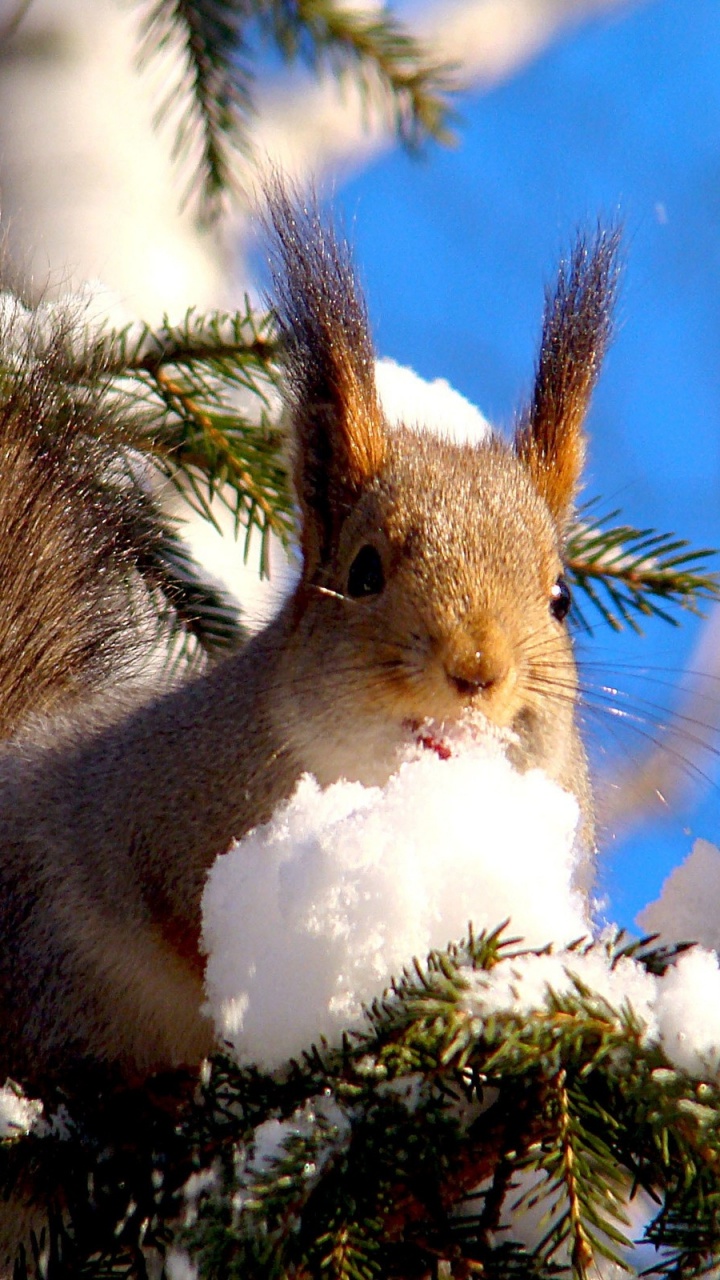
[{"x": 431, "y": 583}]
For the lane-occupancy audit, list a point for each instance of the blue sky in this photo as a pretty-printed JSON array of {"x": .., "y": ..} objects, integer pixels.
[{"x": 619, "y": 119}]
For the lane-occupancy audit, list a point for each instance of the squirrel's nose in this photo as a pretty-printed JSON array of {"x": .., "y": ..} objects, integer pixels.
[{"x": 479, "y": 664}]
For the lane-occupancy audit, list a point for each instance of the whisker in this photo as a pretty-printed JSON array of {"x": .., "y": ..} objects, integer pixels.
[
  {"x": 650, "y": 709},
  {"x": 334, "y": 595}
]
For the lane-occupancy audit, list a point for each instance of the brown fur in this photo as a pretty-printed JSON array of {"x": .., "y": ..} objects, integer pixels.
[
  {"x": 60, "y": 616},
  {"x": 577, "y": 328},
  {"x": 78, "y": 532},
  {"x": 112, "y": 813},
  {"x": 330, "y": 367}
]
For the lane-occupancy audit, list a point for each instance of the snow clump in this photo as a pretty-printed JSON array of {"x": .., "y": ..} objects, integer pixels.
[
  {"x": 428, "y": 406},
  {"x": 308, "y": 918},
  {"x": 18, "y": 1114}
]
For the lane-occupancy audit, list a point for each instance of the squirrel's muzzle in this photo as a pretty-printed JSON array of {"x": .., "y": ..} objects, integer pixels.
[{"x": 480, "y": 665}]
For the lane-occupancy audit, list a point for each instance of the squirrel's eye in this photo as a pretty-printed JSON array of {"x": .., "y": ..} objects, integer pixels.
[
  {"x": 366, "y": 577},
  {"x": 560, "y": 600}
]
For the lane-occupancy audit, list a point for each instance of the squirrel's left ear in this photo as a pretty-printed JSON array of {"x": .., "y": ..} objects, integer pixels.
[
  {"x": 577, "y": 326},
  {"x": 339, "y": 433}
]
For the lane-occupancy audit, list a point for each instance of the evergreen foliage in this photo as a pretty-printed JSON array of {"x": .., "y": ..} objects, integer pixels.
[
  {"x": 628, "y": 573},
  {"x": 213, "y": 96},
  {"x": 206, "y": 391},
  {"x": 395, "y": 1155}
]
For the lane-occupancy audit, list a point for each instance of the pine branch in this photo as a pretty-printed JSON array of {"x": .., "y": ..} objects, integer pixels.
[
  {"x": 213, "y": 92},
  {"x": 369, "y": 1160},
  {"x": 194, "y": 392},
  {"x": 627, "y": 573},
  {"x": 578, "y": 1032},
  {"x": 375, "y": 50},
  {"x": 198, "y": 616},
  {"x": 192, "y": 401},
  {"x": 561, "y": 1166}
]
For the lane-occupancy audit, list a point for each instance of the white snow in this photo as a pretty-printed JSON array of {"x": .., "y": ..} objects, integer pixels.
[
  {"x": 680, "y": 1010},
  {"x": 310, "y": 916},
  {"x": 18, "y": 1114},
  {"x": 180, "y": 1266},
  {"x": 688, "y": 1013},
  {"x": 199, "y": 1184},
  {"x": 427, "y": 406},
  {"x": 520, "y": 985},
  {"x": 79, "y": 317},
  {"x": 688, "y": 1010},
  {"x": 271, "y": 1139}
]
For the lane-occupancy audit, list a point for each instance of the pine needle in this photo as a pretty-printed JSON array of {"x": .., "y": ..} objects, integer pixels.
[
  {"x": 627, "y": 574},
  {"x": 211, "y": 100}
]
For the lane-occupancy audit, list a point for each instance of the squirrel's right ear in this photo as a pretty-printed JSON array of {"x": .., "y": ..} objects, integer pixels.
[
  {"x": 340, "y": 440},
  {"x": 577, "y": 326}
]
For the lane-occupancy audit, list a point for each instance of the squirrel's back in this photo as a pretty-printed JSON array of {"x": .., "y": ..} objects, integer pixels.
[{"x": 73, "y": 521}]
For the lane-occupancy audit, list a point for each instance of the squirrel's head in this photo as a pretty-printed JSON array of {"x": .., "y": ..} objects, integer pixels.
[{"x": 432, "y": 586}]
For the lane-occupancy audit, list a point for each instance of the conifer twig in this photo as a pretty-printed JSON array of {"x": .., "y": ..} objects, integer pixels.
[
  {"x": 627, "y": 574},
  {"x": 213, "y": 94},
  {"x": 378, "y": 52},
  {"x": 199, "y": 397}
]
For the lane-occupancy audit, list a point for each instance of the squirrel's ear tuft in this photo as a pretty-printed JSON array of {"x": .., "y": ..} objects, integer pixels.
[
  {"x": 340, "y": 440},
  {"x": 577, "y": 326}
]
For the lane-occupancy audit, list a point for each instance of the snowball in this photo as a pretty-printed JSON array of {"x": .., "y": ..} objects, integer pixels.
[
  {"x": 688, "y": 909},
  {"x": 433, "y": 406},
  {"x": 308, "y": 917}
]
